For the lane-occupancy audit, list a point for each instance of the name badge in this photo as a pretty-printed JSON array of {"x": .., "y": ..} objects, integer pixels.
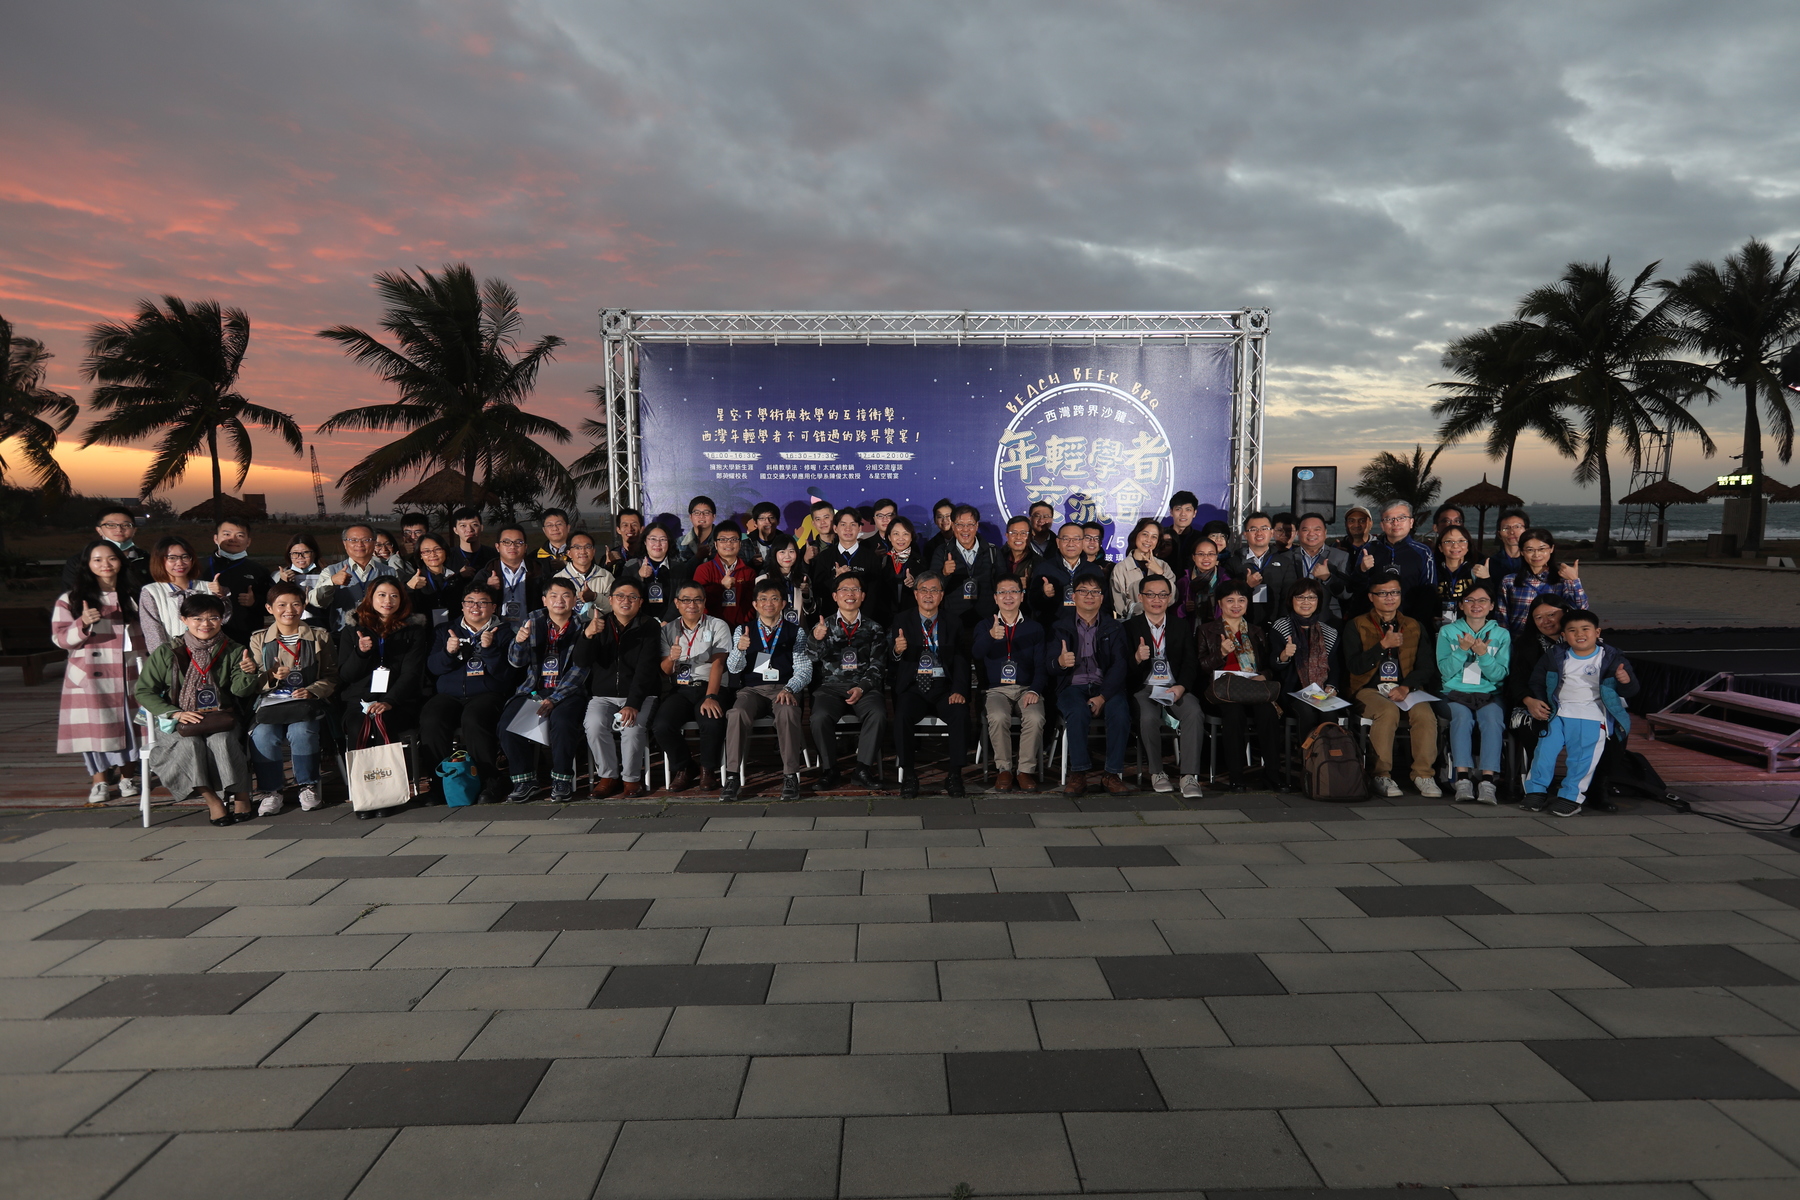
[
  {"x": 1009, "y": 671},
  {"x": 791, "y": 616},
  {"x": 656, "y": 593},
  {"x": 848, "y": 661},
  {"x": 685, "y": 675},
  {"x": 378, "y": 680},
  {"x": 1159, "y": 670},
  {"x": 512, "y": 610},
  {"x": 207, "y": 698},
  {"x": 552, "y": 669},
  {"x": 730, "y": 596},
  {"x": 968, "y": 589},
  {"x": 1389, "y": 671},
  {"x": 294, "y": 679},
  {"x": 1471, "y": 674},
  {"x": 474, "y": 668},
  {"x": 765, "y": 667},
  {"x": 928, "y": 665}
]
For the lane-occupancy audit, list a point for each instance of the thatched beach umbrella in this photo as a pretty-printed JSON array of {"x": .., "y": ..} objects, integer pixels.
[
  {"x": 1482, "y": 497},
  {"x": 1661, "y": 494},
  {"x": 228, "y": 508},
  {"x": 444, "y": 490}
]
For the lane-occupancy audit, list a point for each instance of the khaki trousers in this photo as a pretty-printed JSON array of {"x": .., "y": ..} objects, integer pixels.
[
  {"x": 1002, "y": 702},
  {"x": 753, "y": 704},
  {"x": 1384, "y": 716}
]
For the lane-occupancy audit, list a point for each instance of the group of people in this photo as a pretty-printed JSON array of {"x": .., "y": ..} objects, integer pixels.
[{"x": 856, "y": 616}]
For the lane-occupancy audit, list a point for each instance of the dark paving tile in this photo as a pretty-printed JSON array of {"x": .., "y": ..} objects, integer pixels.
[
  {"x": 170, "y": 995},
  {"x": 424, "y": 814},
  {"x": 819, "y": 808},
  {"x": 741, "y": 861},
  {"x": 1673, "y": 1068},
  {"x": 1424, "y": 900},
  {"x": 710, "y": 809},
  {"x": 1167, "y": 976},
  {"x": 388, "y": 866},
  {"x": 1002, "y": 906},
  {"x": 573, "y": 914},
  {"x": 24, "y": 872},
  {"x": 1110, "y": 856},
  {"x": 1684, "y": 966},
  {"x": 1410, "y": 1191},
  {"x": 977, "y": 821},
  {"x": 921, "y": 806},
  {"x": 1311, "y": 812},
  {"x": 1032, "y": 1081},
  {"x": 1786, "y": 841},
  {"x": 312, "y": 829},
  {"x": 1785, "y": 890},
  {"x": 80, "y": 818},
  {"x": 1035, "y": 802},
  {"x": 112, "y": 923},
  {"x": 666, "y": 985},
  {"x": 472, "y": 1092},
  {"x": 542, "y": 811},
  {"x": 1470, "y": 849}
]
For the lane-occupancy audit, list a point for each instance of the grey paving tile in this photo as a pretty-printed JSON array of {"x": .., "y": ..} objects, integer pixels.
[
  {"x": 153, "y": 1043},
  {"x": 1621, "y": 1141},
  {"x": 493, "y": 864},
  {"x": 637, "y": 1089},
  {"x": 772, "y": 1159},
  {"x": 1780, "y": 1056},
  {"x": 1239, "y": 903},
  {"x": 71, "y": 1168},
  {"x": 32, "y": 1046},
  {"x": 1433, "y": 873},
  {"x": 1050, "y": 1081},
  {"x": 758, "y": 1029},
  {"x": 1475, "y": 1072},
  {"x": 490, "y": 889},
  {"x": 472, "y": 1092},
  {"x": 857, "y": 910},
  {"x": 1246, "y": 935},
  {"x": 428, "y": 918},
  {"x": 928, "y": 1027},
  {"x": 512, "y": 949},
  {"x": 1142, "y": 1152},
  {"x": 115, "y": 923},
  {"x": 1161, "y": 904},
  {"x": 1008, "y": 906},
  {"x": 1783, "y": 956},
  {"x": 52, "y": 1105},
  {"x": 216, "y": 1100},
  {"x": 364, "y": 892},
  {"x": 1321, "y": 875},
  {"x": 387, "y": 866},
  {"x": 1377, "y": 970},
  {"x": 263, "y": 894},
  {"x": 1786, "y": 890},
  {"x": 1691, "y": 897},
  {"x": 148, "y": 956},
  {"x": 1390, "y": 933},
  {"x": 845, "y": 1086},
  {"x": 1774, "y": 1121},
  {"x": 96, "y": 896},
  {"x": 290, "y": 1164},
  {"x": 31, "y": 999},
  {"x": 1185, "y": 879},
  {"x": 1580, "y": 870},
  {"x": 1021, "y": 979},
  {"x": 779, "y": 944},
  {"x": 14, "y": 873},
  {"x": 1086, "y": 939},
  {"x": 1450, "y": 899},
  {"x": 1686, "y": 966},
  {"x": 492, "y": 1162},
  {"x": 1562, "y": 898},
  {"x": 571, "y": 1033},
  {"x": 1531, "y": 967},
  {"x": 1716, "y": 868},
  {"x": 1497, "y": 1015},
  {"x": 930, "y": 1155},
  {"x": 1108, "y": 1024},
  {"x": 1309, "y": 1020},
  {"x": 796, "y": 883},
  {"x": 343, "y": 991},
  {"x": 598, "y": 947},
  {"x": 319, "y": 953},
  {"x": 828, "y": 982},
  {"x": 930, "y": 882},
  {"x": 1674, "y": 1012},
  {"x": 1059, "y": 879},
  {"x": 659, "y": 986},
  {"x": 379, "y": 1037},
  {"x": 993, "y": 856},
  {"x": 167, "y": 995},
  {"x": 881, "y": 943},
  {"x": 1255, "y": 1077},
  {"x": 1460, "y": 1144},
  {"x": 492, "y": 988},
  {"x": 1516, "y": 930},
  {"x": 1356, "y": 850}
]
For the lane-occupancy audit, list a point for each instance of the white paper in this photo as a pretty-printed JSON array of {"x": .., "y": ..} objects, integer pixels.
[
  {"x": 378, "y": 680},
  {"x": 1320, "y": 700},
  {"x": 529, "y": 725},
  {"x": 1471, "y": 674},
  {"x": 1413, "y": 698},
  {"x": 1245, "y": 674},
  {"x": 1162, "y": 695}
]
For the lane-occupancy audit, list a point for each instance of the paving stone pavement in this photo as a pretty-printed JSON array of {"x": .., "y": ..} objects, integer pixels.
[{"x": 1247, "y": 996}]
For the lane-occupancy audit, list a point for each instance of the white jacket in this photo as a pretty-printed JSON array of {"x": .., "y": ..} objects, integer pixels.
[{"x": 159, "y": 610}]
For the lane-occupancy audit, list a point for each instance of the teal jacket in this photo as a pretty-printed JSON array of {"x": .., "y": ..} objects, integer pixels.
[{"x": 1453, "y": 659}]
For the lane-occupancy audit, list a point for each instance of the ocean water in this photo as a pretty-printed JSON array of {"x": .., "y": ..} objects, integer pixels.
[{"x": 1687, "y": 522}]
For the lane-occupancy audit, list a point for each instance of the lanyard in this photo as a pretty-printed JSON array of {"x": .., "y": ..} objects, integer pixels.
[
  {"x": 1010, "y": 630},
  {"x": 553, "y": 636},
  {"x": 508, "y": 580},
  {"x": 282, "y": 647},
  {"x": 766, "y": 645},
  {"x": 930, "y": 631},
  {"x": 1158, "y": 637},
  {"x": 206, "y": 671},
  {"x": 693, "y": 637},
  {"x": 849, "y": 631}
]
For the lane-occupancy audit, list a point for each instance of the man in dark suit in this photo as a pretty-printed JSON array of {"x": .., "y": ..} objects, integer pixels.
[
  {"x": 931, "y": 678},
  {"x": 843, "y": 556},
  {"x": 969, "y": 567},
  {"x": 1088, "y": 668},
  {"x": 1310, "y": 557},
  {"x": 1051, "y": 591},
  {"x": 1163, "y": 675}
]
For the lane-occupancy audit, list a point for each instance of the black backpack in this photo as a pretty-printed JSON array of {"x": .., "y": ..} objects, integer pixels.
[
  {"x": 1332, "y": 763},
  {"x": 1625, "y": 772}
]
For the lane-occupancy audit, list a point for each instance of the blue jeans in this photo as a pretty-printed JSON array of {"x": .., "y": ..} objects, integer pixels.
[
  {"x": 1072, "y": 701},
  {"x": 269, "y": 744},
  {"x": 1463, "y": 719}
]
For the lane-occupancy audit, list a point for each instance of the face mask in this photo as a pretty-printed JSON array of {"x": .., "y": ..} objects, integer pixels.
[{"x": 229, "y": 555}]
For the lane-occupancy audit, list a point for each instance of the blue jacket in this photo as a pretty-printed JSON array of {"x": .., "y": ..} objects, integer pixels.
[
  {"x": 451, "y": 670},
  {"x": 1109, "y": 652},
  {"x": 1546, "y": 680},
  {"x": 571, "y": 680},
  {"x": 1028, "y": 654}
]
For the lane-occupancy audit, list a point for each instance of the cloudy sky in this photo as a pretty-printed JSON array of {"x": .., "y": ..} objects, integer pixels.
[{"x": 1384, "y": 176}]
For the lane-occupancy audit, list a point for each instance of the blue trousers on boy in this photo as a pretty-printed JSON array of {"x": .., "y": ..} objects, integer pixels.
[{"x": 1584, "y": 740}]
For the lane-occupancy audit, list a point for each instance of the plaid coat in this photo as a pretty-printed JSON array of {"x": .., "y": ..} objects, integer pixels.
[{"x": 98, "y": 679}]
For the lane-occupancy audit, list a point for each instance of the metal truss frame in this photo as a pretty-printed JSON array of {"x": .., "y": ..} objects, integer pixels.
[{"x": 622, "y": 331}]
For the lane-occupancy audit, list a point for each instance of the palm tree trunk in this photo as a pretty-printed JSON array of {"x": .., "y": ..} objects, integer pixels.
[
  {"x": 1603, "y": 533},
  {"x": 212, "y": 446},
  {"x": 469, "y": 479},
  {"x": 1506, "y": 471},
  {"x": 1753, "y": 528}
]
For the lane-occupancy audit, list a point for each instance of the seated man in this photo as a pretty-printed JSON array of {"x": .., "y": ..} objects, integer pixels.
[
  {"x": 473, "y": 683},
  {"x": 1010, "y": 650},
  {"x": 931, "y": 678},
  {"x": 852, "y": 659},
  {"x": 554, "y": 686},
  {"x": 1584, "y": 685},
  {"x": 621, "y": 649},
  {"x": 1382, "y": 653},
  {"x": 1088, "y": 653},
  {"x": 770, "y": 666},
  {"x": 1164, "y": 676}
]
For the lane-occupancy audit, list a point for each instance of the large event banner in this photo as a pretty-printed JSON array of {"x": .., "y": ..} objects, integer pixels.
[{"x": 1104, "y": 431}]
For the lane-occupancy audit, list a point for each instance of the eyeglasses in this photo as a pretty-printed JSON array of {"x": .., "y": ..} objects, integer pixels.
[
  {"x": 357, "y": 541},
  {"x": 478, "y": 604},
  {"x": 1395, "y": 520},
  {"x": 1389, "y": 592},
  {"x": 116, "y": 525},
  {"x": 627, "y": 598},
  {"x": 177, "y": 558},
  {"x": 511, "y": 542},
  {"x": 690, "y": 600}
]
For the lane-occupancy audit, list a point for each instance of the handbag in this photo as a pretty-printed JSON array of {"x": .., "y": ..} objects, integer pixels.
[
  {"x": 217, "y": 721},
  {"x": 462, "y": 786},
  {"x": 377, "y": 775},
  {"x": 1238, "y": 689}
]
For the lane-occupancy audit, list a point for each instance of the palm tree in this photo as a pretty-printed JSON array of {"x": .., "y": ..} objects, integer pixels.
[
  {"x": 32, "y": 412},
  {"x": 1609, "y": 352},
  {"x": 1388, "y": 476},
  {"x": 461, "y": 386},
  {"x": 174, "y": 369},
  {"x": 1500, "y": 388},
  {"x": 1744, "y": 316}
]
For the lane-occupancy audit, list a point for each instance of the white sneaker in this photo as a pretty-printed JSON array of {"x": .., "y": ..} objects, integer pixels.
[
  {"x": 268, "y": 804},
  {"x": 1487, "y": 793},
  {"x": 99, "y": 793},
  {"x": 1160, "y": 782},
  {"x": 1465, "y": 789},
  {"x": 1386, "y": 786},
  {"x": 1427, "y": 786},
  {"x": 1190, "y": 788},
  {"x": 128, "y": 786},
  {"x": 309, "y": 799}
]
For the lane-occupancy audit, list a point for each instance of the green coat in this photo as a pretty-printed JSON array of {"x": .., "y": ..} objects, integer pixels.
[{"x": 156, "y": 682}]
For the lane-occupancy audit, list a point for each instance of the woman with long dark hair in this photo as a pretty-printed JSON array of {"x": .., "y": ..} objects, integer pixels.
[
  {"x": 172, "y": 567},
  {"x": 784, "y": 565},
  {"x": 94, "y": 621},
  {"x": 435, "y": 585}
]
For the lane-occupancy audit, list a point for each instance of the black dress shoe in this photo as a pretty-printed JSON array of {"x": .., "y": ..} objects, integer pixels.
[
  {"x": 864, "y": 777},
  {"x": 953, "y": 786},
  {"x": 830, "y": 779},
  {"x": 230, "y": 818},
  {"x": 909, "y": 787}
]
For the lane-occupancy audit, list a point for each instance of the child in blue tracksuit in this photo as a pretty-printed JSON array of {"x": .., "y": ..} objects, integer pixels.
[{"x": 1585, "y": 685}]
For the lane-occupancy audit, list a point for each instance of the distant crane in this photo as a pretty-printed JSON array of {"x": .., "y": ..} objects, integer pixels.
[{"x": 318, "y": 482}]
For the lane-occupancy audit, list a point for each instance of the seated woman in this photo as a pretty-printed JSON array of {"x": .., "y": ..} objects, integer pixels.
[
  {"x": 1305, "y": 648},
  {"x": 195, "y": 682},
  {"x": 1473, "y": 654},
  {"x": 381, "y": 655},
  {"x": 555, "y": 686},
  {"x": 94, "y": 621},
  {"x": 172, "y": 566},
  {"x": 1232, "y": 643},
  {"x": 435, "y": 586},
  {"x": 468, "y": 661},
  {"x": 296, "y": 666}
]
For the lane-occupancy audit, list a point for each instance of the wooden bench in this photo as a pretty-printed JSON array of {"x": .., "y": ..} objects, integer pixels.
[
  {"x": 1779, "y": 749},
  {"x": 25, "y": 642}
]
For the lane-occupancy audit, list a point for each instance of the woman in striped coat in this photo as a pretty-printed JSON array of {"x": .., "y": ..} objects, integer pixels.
[{"x": 97, "y": 624}]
